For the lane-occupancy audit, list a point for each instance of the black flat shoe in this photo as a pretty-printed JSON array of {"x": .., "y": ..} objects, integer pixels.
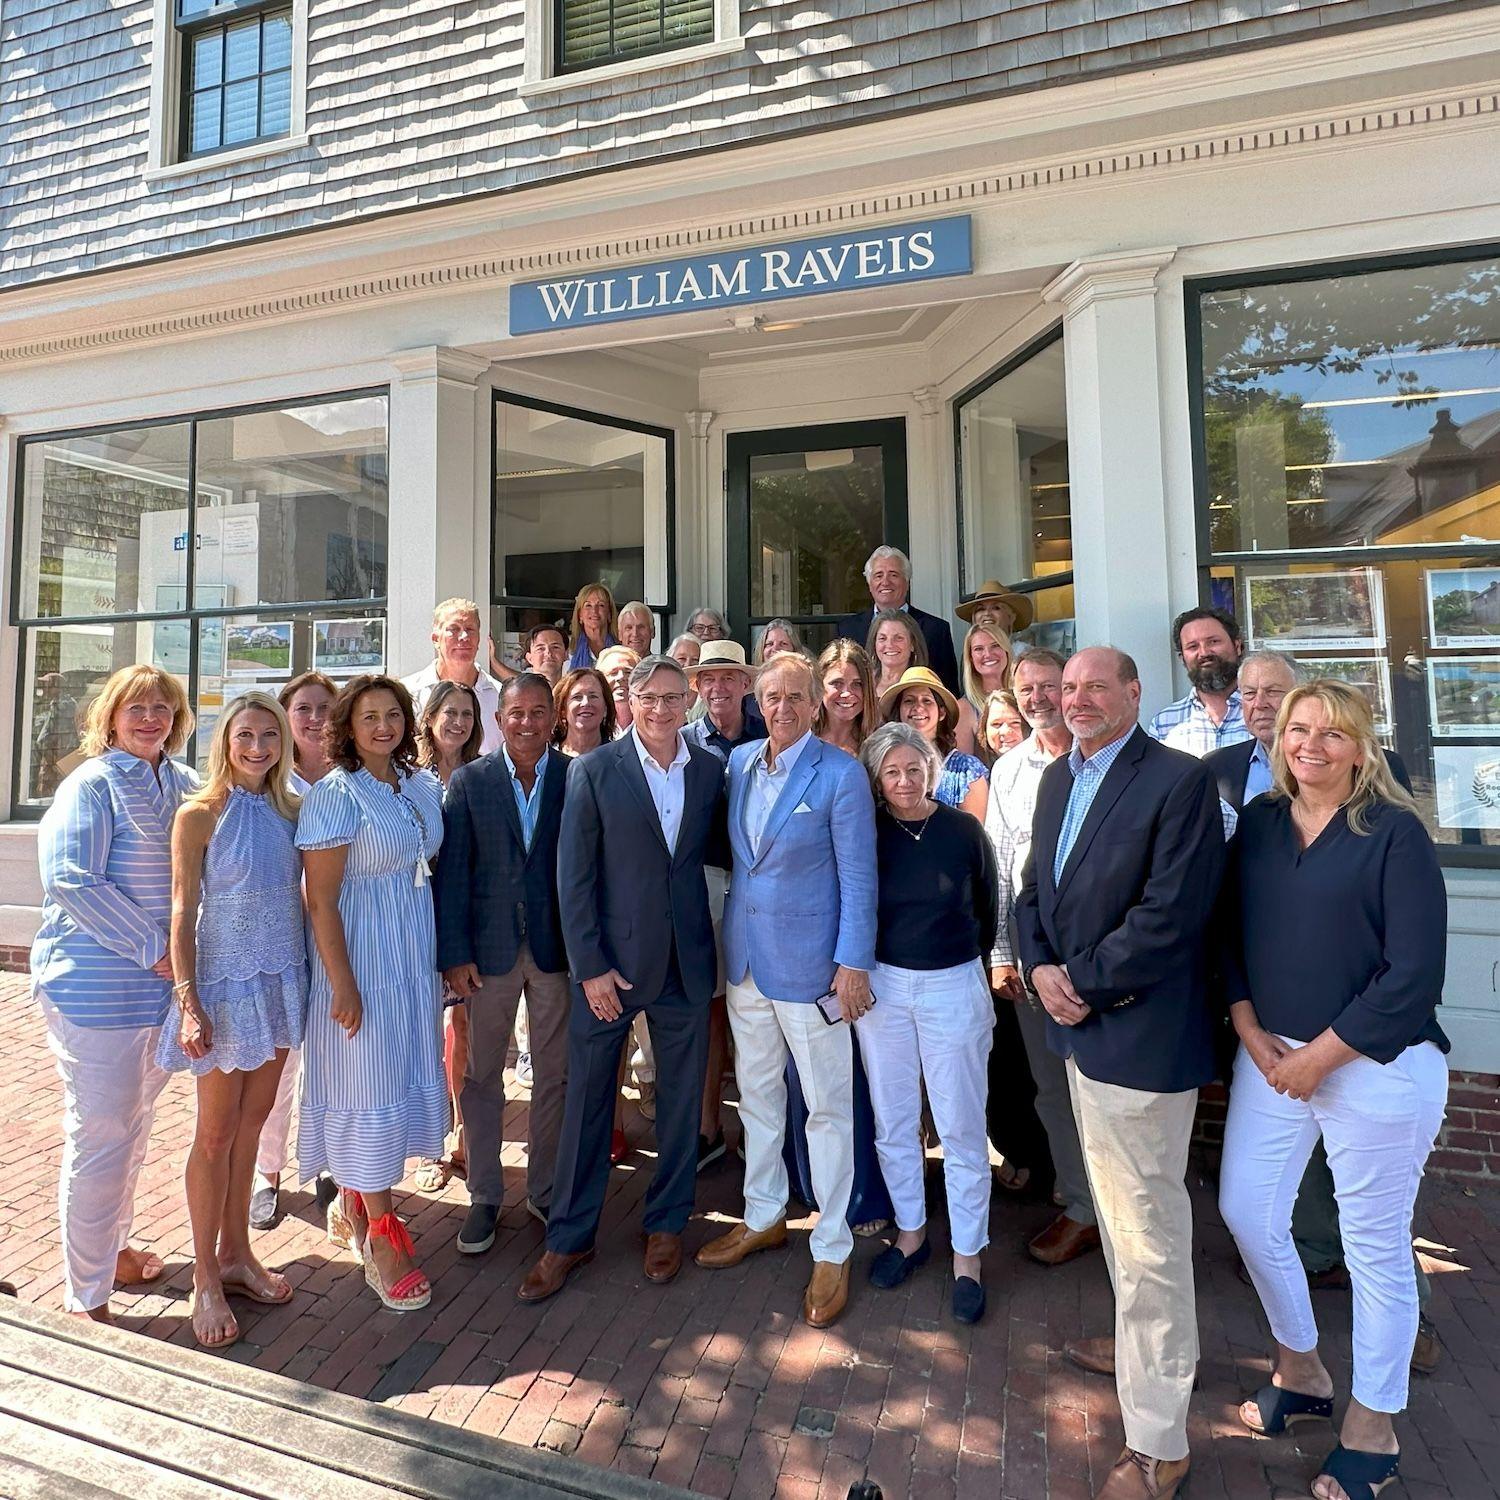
[
  {"x": 1280, "y": 1409},
  {"x": 968, "y": 1300},
  {"x": 478, "y": 1233},
  {"x": 265, "y": 1208},
  {"x": 890, "y": 1268},
  {"x": 1362, "y": 1475},
  {"x": 325, "y": 1190}
]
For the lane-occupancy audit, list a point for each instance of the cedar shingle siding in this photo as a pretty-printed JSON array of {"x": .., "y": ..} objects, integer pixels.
[{"x": 414, "y": 101}]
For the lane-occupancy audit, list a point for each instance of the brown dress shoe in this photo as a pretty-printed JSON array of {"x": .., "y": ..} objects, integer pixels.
[
  {"x": 1097, "y": 1356},
  {"x": 1428, "y": 1350},
  {"x": 1064, "y": 1239},
  {"x": 827, "y": 1293},
  {"x": 730, "y": 1249},
  {"x": 1136, "y": 1476},
  {"x": 545, "y": 1279},
  {"x": 663, "y": 1256}
]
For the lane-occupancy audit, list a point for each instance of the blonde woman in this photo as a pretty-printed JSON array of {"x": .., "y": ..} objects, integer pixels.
[
  {"x": 238, "y": 942},
  {"x": 595, "y": 625},
  {"x": 985, "y": 666},
  {"x": 848, "y": 706},
  {"x": 101, "y": 970},
  {"x": 895, "y": 644},
  {"x": 1339, "y": 1041}
]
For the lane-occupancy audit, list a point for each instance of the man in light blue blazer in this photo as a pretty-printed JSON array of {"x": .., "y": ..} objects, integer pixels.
[{"x": 799, "y": 945}]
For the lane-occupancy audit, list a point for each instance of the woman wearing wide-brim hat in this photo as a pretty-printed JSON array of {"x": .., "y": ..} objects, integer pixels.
[
  {"x": 919, "y": 698},
  {"x": 994, "y": 604}
]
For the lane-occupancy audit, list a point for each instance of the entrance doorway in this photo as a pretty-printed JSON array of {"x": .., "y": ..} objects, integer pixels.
[{"x": 805, "y": 507}]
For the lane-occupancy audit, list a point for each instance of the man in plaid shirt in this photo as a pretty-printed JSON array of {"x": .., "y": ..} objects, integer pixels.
[{"x": 1210, "y": 644}]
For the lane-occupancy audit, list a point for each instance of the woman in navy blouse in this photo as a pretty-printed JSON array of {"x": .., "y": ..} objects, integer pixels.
[
  {"x": 1334, "y": 982},
  {"x": 101, "y": 970}
]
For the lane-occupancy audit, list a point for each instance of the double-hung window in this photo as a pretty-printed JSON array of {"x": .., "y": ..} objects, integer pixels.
[{"x": 236, "y": 73}]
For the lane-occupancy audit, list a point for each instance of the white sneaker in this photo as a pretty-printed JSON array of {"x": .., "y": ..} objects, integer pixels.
[{"x": 523, "y": 1070}]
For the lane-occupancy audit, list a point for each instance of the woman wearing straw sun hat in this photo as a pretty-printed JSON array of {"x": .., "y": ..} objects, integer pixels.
[
  {"x": 919, "y": 698},
  {"x": 994, "y": 604}
]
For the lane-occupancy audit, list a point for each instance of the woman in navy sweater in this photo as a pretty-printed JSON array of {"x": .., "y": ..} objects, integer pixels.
[{"x": 1334, "y": 983}]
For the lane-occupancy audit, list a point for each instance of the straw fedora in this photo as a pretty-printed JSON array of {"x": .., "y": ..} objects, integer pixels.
[
  {"x": 923, "y": 677},
  {"x": 721, "y": 654},
  {"x": 992, "y": 591}
]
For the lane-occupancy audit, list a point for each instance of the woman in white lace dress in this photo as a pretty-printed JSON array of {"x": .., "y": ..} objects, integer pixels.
[{"x": 241, "y": 964}]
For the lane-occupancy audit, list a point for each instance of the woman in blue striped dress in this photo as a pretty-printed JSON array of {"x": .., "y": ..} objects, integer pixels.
[
  {"x": 101, "y": 971},
  {"x": 373, "y": 1090}
]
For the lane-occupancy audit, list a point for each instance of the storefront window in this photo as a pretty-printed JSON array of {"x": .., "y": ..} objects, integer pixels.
[
  {"x": 287, "y": 506},
  {"x": 1349, "y": 453},
  {"x": 1014, "y": 504},
  {"x": 579, "y": 498}
]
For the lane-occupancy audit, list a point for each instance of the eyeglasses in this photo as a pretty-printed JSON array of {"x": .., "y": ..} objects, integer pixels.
[{"x": 653, "y": 701}]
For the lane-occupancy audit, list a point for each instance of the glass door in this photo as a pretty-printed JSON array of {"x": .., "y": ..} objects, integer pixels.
[{"x": 805, "y": 507}]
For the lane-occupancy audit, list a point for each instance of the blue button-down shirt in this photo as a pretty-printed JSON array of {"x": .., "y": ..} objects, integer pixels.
[
  {"x": 1088, "y": 777},
  {"x": 526, "y": 805},
  {"x": 1258, "y": 778},
  {"x": 1188, "y": 725}
]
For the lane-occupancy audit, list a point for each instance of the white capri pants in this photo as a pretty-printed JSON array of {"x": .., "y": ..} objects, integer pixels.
[
  {"x": 275, "y": 1135},
  {"x": 932, "y": 1026},
  {"x": 110, "y": 1083},
  {"x": 1378, "y": 1123}
]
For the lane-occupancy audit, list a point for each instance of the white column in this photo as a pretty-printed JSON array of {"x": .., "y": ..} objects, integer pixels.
[
  {"x": 438, "y": 538},
  {"x": 1116, "y": 464}
]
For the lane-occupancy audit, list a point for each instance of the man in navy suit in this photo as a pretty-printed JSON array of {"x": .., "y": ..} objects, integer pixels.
[
  {"x": 1127, "y": 853},
  {"x": 643, "y": 816},
  {"x": 499, "y": 931},
  {"x": 888, "y": 573}
]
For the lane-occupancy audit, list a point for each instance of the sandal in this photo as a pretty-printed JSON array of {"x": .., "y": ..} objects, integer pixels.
[
  {"x": 1012, "y": 1179},
  {"x": 348, "y": 1223},
  {"x": 1362, "y": 1475},
  {"x": 433, "y": 1176},
  {"x": 410, "y": 1291},
  {"x": 148, "y": 1267},
  {"x": 231, "y": 1337},
  {"x": 1280, "y": 1409},
  {"x": 870, "y": 1229},
  {"x": 237, "y": 1283}
]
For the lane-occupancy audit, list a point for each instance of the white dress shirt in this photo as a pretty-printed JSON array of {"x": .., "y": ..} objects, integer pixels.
[
  {"x": 766, "y": 786},
  {"x": 668, "y": 787},
  {"x": 486, "y": 690}
]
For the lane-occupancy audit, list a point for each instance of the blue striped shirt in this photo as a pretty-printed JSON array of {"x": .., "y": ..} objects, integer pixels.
[
  {"x": 105, "y": 850},
  {"x": 527, "y": 806},
  {"x": 1088, "y": 777}
]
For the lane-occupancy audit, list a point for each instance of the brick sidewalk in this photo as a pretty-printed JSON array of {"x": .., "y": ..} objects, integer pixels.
[{"x": 714, "y": 1382}]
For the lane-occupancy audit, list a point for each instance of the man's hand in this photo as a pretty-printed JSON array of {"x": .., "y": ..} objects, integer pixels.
[
  {"x": 852, "y": 986},
  {"x": 1059, "y": 998},
  {"x": 602, "y": 994},
  {"x": 1005, "y": 980},
  {"x": 462, "y": 979}
]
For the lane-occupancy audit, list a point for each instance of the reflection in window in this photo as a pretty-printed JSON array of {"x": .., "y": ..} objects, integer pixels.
[
  {"x": 1013, "y": 476},
  {"x": 578, "y": 499},
  {"x": 1354, "y": 411}
]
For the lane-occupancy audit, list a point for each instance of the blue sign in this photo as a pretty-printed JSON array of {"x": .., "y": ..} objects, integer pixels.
[{"x": 768, "y": 273}]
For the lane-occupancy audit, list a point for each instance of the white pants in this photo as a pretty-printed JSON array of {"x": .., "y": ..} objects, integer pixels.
[
  {"x": 765, "y": 1031},
  {"x": 1135, "y": 1146},
  {"x": 276, "y": 1134},
  {"x": 932, "y": 1026},
  {"x": 1378, "y": 1124},
  {"x": 110, "y": 1083}
]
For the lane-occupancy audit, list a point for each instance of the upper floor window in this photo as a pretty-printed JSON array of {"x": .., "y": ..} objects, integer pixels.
[
  {"x": 592, "y": 33},
  {"x": 236, "y": 73}
]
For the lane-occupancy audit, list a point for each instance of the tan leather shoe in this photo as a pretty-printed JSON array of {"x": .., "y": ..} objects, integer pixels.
[
  {"x": 545, "y": 1279},
  {"x": 730, "y": 1249},
  {"x": 1097, "y": 1356},
  {"x": 663, "y": 1256},
  {"x": 1064, "y": 1239},
  {"x": 1137, "y": 1476},
  {"x": 827, "y": 1293}
]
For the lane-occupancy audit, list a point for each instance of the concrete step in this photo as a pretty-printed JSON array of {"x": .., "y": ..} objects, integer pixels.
[{"x": 88, "y": 1411}]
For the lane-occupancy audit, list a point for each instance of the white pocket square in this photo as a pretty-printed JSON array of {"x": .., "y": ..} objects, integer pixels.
[{"x": 801, "y": 807}]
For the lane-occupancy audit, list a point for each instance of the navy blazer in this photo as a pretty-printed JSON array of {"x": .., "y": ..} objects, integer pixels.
[
  {"x": 489, "y": 891},
  {"x": 939, "y": 638},
  {"x": 1232, "y": 764},
  {"x": 1130, "y": 916},
  {"x": 627, "y": 901}
]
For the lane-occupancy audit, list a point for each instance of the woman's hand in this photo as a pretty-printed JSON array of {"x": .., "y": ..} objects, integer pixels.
[
  {"x": 1005, "y": 980},
  {"x": 162, "y": 968},
  {"x": 1266, "y": 1050},
  {"x": 196, "y": 1031},
  {"x": 347, "y": 1009}
]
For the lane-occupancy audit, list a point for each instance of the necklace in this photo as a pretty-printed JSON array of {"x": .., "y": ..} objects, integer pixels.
[{"x": 917, "y": 836}]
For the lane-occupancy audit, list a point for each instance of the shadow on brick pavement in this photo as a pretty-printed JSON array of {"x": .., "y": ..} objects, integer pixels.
[{"x": 714, "y": 1383}]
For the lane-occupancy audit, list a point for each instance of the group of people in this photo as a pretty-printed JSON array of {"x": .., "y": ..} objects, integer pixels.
[{"x": 827, "y": 878}]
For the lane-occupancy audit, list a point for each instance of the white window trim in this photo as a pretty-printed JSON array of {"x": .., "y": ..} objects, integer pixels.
[
  {"x": 162, "y": 160},
  {"x": 537, "y": 76}
]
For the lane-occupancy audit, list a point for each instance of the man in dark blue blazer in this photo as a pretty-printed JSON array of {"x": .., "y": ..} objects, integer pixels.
[
  {"x": 499, "y": 931},
  {"x": 1127, "y": 853},
  {"x": 643, "y": 816},
  {"x": 888, "y": 573}
]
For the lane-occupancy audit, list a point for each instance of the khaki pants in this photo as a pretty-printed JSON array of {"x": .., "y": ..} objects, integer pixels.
[
  {"x": 492, "y": 1016},
  {"x": 1135, "y": 1146}
]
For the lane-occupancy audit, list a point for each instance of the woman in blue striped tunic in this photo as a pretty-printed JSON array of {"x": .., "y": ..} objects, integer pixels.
[
  {"x": 101, "y": 971},
  {"x": 373, "y": 1089}
]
